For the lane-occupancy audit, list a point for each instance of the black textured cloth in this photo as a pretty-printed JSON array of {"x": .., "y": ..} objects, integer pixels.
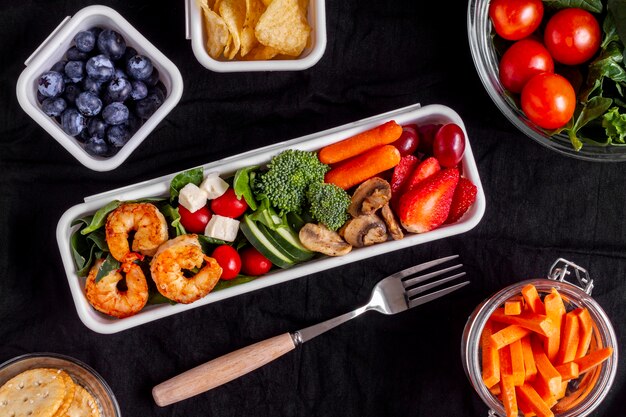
[{"x": 380, "y": 56}]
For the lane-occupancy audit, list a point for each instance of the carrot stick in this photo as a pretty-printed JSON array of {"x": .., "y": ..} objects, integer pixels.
[
  {"x": 530, "y": 368},
  {"x": 563, "y": 390},
  {"x": 568, "y": 371},
  {"x": 533, "y": 301},
  {"x": 545, "y": 368},
  {"x": 490, "y": 357},
  {"x": 508, "y": 395},
  {"x": 496, "y": 390},
  {"x": 524, "y": 407},
  {"x": 592, "y": 359},
  {"x": 508, "y": 335},
  {"x": 505, "y": 363},
  {"x": 364, "y": 166},
  {"x": 536, "y": 403},
  {"x": 555, "y": 310},
  {"x": 380, "y": 135},
  {"x": 517, "y": 363},
  {"x": 512, "y": 308},
  {"x": 538, "y": 323},
  {"x": 543, "y": 389},
  {"x": 569, "y": 339},
  {"x": 586, "y": 331}
]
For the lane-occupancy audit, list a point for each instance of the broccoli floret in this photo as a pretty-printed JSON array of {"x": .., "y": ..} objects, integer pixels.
[
  {"x": 328, "y": 204},
  {"x": 288, "y": 177}
]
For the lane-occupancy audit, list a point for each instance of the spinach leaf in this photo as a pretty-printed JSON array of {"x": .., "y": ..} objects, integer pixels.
[
  {"x": 172, "y": 216},
  {"x": 194, "y": 175},
  {"x": 594, "y": 6},
  {"x": 109, "y": 264},
  {"x": 241, "y": 185},
  {"x": 99, "y": 218},
  {"x": 155, "y": 297},
  {"x": 239, "y": 279},
  {"x": 82, "y": 252},
  {"x": 207, "y": 243}
]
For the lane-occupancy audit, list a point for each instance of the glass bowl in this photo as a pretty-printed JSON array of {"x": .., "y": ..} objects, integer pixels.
[
  {"x": 81, "y": 374},
  {"x": 480, "y": 35}
]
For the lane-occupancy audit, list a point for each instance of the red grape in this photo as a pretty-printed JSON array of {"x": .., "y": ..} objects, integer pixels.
[
  {"x": 408, "y": 140},
  {"x": 427, "y": 134},
  {"x": 449, "y": 145}
]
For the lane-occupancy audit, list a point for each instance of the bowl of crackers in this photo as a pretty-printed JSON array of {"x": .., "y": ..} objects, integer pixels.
[
  {"x": 256, "y": 35},
  {"x": 50, "y": 384}
]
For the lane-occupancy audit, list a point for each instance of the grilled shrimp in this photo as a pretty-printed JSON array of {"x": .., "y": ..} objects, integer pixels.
[
  {"x": 174, "y": 259},
  {"x": 106, "y": 295},
  {"x": 145, "y": 220}
]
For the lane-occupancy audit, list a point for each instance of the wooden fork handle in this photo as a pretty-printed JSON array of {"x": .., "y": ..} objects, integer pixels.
[{"x": 221, "y": 370}]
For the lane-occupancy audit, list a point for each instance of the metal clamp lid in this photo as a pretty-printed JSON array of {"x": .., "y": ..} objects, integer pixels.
[{"x": 562, "y": 267}]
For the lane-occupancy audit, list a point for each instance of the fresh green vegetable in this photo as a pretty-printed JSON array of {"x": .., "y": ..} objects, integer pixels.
[
  {"x": 288, "y": 177},
  {"x": 258, "y": 236},
  {"x": 195, "y": 176},
  {"x": 109, "y": 264},
  {"x": 242, "y": 185},
  {"x": 594, "y": 6},
  {"x": 328, "y": 204},
  {"x": 99, "y": 218},
  {"x": 172, "y": 216},
  {"x": 614, "y": 123}
]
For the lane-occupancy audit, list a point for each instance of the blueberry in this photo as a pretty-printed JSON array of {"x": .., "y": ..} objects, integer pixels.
[
  {"x": 89, "y": 84},
  {"x": 153, "y": 79},
  {"x": 88, "y": 103},
  {"x": 139, "y": 67},
  {"x": 51, "y": 84},
  {"x": 134, "y": 123},
  {"x": 112, "y": 44},
  {"x": 96, "y": 127},
  {"x": 85, "y": 41},
  {"x": 59, "y": 66},
  {"x": 115, "y": 113},
  {"x": 75, "y": 70},
  {"x": 96, "y": 32},
  {"x": 40, "y": 97},
  {"x": 130, "y": 52},
  {"x": 119, "y": 89},
  {"x": 139, "y": 90},
  {"x": 96, "y": 146},
  {"x": 146, "y": 107},
  {"x": 73, "y": 54},
  {"x": 119, "y": 73},
  {"x": 118, "y": 135},
  {"x": 100, "y": 68},
  {"x": 72, "y": 121},
  {"x": 53, "y": 107},
  {"x": 159, "y": 90},
  {"x": 71, "y": 93}
]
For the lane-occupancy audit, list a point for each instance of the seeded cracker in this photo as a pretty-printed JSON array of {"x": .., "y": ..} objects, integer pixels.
[
  {"x": 284, "y": 27},
  {"x": 83, "y": 405},
  {"x": 70, "y": 388},
  {"x": 35, "y": 393}
]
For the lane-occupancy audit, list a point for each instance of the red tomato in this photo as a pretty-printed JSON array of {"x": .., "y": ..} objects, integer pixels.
[
  {"x": 253, "y": 262},
  {"x": 408, "y": 140},
  {"x": 572, "y": 36},
  {"x": 449, "y": 145},
  {"x": 521, "y": 61},
  {"x": 548, "y": 100},
  {"x": 515, "y": 19},
  {"x": 228, "y": 205},
  {"x": 194, "y": 222},
  {"x": 229, "y": 260}
]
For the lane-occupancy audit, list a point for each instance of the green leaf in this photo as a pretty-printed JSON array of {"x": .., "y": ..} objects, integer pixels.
[
  {"x": 99, "y": 218},
  {"x": 617, "y": 11},
  {"x": 614, "y": 124},
  {"x": 99, "y": 239},
  {"x": 194, "y": 176},
  {"x": 155, "y": 297},
  {"x": 207, "y": 243},
  {"x": 172, "y": 216},
  {"x": 239, "y": 279},
  {"x": 594, "y": 6},
  {"x": 110, "y": 264},
  {"x": 242, "y": 188}
]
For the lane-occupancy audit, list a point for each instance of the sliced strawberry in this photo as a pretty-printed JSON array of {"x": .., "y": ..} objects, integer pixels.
[
  {"x": 427, "y": 206},
  {"x": 401, "y": 173},
  {"x": 425, "y": 169},
  {"x": 463, "y": 198}
]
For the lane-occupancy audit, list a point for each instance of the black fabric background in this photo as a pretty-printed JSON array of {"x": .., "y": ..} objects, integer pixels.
[{"x": 380, "y": 56}]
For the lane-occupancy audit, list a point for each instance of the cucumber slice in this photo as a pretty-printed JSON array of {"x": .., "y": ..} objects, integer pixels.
[
  {"x": 264, "y": 243},
  {"x": 290, "y": 243}
]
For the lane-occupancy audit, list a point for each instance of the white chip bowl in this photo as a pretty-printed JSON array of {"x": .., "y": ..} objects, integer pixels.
[
  {"x": 310, "y": 56},
  {"x": 53, "y": 49}
]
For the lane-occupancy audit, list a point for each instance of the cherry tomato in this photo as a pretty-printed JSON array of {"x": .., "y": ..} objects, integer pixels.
[
  {"x": 229, "y": 260},
  {"x": 253, "y": 262},
  {"x": 521, "y": 61},
  {"x": 515, "y": 19},
  {"x": 408, "y": 140},
  {"x": 449, "y": 145},
  {"x": 548, "y": 100},
  {"x": 228, "y": 205},
  {"x": 194, "y": 222},
  {"x": 572, "y": 36},
  {"x": 427, "y": 136}
]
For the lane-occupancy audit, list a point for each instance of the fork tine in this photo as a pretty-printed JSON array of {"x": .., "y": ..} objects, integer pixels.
[
  {"x": 434, "y": 295},
  {"x": 417, "y": 268},
  {"x": 422, "y": 278},
  {"x": 426, "y": 287}
]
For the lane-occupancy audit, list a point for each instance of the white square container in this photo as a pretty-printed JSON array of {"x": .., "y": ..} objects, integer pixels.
[
  {"x": 194, "y": 26},
  {"x": 53, "y": 49},
  {"x": 159, "y": 187}
]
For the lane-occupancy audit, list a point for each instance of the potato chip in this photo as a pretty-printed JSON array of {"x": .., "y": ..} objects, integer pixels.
[
  {"x": 261, "y": 53},
  {"x": 284, "y": 26},
  {"x": 254, "y": 9},
  {"x": 267, "y": 2},
  {"x": 217, "y": 33},
  {"x": 234, "y": 13}
]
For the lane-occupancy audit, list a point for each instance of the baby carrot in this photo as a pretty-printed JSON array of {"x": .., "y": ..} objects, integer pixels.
[
  {"x": 593, "y": 359},
  {"x": 380, "y": 135},
  {"x": 490, "y": 357},
  {"x": 555, "y": 310},
  {"x": 533, "y": 301},
  {"x": 363, "y": 167},
  {"x": 586, "y": 331},
  {"x": 569, "y": 339}
]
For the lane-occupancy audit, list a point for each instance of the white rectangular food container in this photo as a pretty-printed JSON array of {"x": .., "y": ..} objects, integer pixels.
[
  {"x": 160, "y": 187},
  {"x": 53, "y": 50},
  {"x": 195, "y": 31}
]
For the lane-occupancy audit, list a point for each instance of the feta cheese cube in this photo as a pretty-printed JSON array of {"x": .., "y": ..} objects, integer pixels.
[
  {"x": 224, "y": 228},
  {"x": 192, "y": 198},
  {"x": 213, "y": 185}
]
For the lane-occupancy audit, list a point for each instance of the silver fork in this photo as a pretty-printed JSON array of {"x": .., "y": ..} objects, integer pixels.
[{"x": 393, "y": 294}]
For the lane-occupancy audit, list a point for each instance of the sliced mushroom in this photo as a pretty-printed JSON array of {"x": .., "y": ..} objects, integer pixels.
[
  {"x": 365, "y": 230},
  {"x": 370, "y": 196},
  {"x": 319, "y": 238},
  {"x": 392, "y": 224}
]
